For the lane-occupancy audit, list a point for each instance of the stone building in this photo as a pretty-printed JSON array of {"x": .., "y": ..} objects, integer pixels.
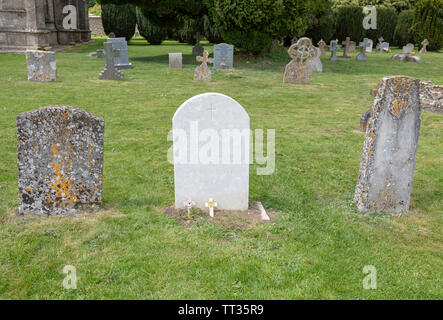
[{"x": 33, "y": 24}]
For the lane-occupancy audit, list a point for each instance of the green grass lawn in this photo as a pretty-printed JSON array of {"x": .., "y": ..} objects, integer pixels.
[{"x": 317, "y": 247}]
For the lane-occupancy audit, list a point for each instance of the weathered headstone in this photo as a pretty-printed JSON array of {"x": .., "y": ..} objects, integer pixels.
[
  {"x": 60, "y": 161},
  {"x": 42, "y": 65},
  {"x": 198, "y": 49},
  {"x": 369, "y": 46},
  {"x": 316, "y": 64},
  {"x": 387, "y": 166},
  {"x": 384, "y": 47},
  {"x": 205, "y": 166},
  {"x": 202, "y": 72},
  {"x": 121, "y": 61},
  {"x": 364, "y": 119},
  {"x": 352, "y": 46},
  {"x": 299, "y": 70},
  {"x": 389, "y": 152},
  {"x": 346, "y": 44},
  {"x": 110, "y": 72},
  {"x": 402, "y": 56},
  {"x": 223, "y": 56},
  {"x": 409, "y": 48},
  {"x": 362, "y": 55},
  {"x": 331, "y": 43},
  {"x": 321, "y": 44},
  {"x": 333, "y": 49},
  {"x": 424, "y": 44},
  {"x": 100, "y": 53},
  {"x": 111, "y": 35},
  {"x": 175, "y": 60}
]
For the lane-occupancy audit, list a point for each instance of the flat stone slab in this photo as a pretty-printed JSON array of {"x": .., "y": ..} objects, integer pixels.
[
  {"x": 42, "y": 65},
  {"x": 60, "y": 161}
]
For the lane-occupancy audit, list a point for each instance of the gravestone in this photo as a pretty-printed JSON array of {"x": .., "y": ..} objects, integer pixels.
[
  {"x": 202, "y": 72},
  {"x": 223, "y": 56},
  {"x": 369, "y": 46},
  {"x": 387, "y": 166},
  {"x": 424, "y": 44},
  {"x": 42, "y": 65},
  {"x": 384, "y": 47},
  {"x": 205, "y": 165},
  {"x": 110, "y": 72},
  {"x": 352, "y": 46},
  {"x": 331, "y": 43},
  {"x": 60, "y": 161},
  {"x": 362, "y": 55},
  {"x": 321, "y": 44},
  {"x": 333, "y": 49},
  {"x": 346, "y": 46},
  {"x": 409, "y": 48},
  {"x": 121, "y": 61},
  {"x": 100, "y": 53},
  {"x": 316, "y": 64},
  {"x": 175, "y": 60},
  {"x": 299, "y": 70},
  {"x": 364, "y": 119},
  {"x": 198, "y": 50}
]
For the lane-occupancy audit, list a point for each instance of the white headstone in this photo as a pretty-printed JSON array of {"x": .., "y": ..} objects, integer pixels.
[
  {"x": 175, "y": 60},
  {"x": 211, "y": 152},
  {"x": 369, "y": 46}
]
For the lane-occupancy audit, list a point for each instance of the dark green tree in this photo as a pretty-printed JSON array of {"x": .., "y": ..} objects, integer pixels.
[
  {"x": 152, "y": 33},
  {"x": 119, "y": 19},
  {"x": 428, "y": 23}
]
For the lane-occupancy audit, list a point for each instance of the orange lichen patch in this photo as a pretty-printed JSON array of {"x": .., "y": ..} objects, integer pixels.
[
  {"x": 64, "y": 114},
  {"x": 54, "y": 149},
  {"x": 49, "y": 200},
  {"x": 20, "y": 143},
  {"x": 62, "y": 186},
  {"x": 36, "y": 148},
  {"x": 28, "y": 189}
]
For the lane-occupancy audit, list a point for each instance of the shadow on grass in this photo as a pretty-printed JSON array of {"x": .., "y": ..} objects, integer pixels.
[{"x": 188, "y": 59}]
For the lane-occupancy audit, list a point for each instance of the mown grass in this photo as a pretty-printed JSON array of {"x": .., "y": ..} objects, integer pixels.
[{"x": 316, "y": 249}]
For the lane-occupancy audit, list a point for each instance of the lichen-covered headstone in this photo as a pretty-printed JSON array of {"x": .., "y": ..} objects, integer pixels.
[
  {"x": 60, "y": 161},
  {"x": 321, "y": 44},
  {"x": 223, "y": 56},
  {"x": 211, "y": 152},
  {"x": 110, "y": 72},
  {"x": 409, "y": 48},
  {"x": 42, "y": 65},
  {"x": 175, "y": 60},
  {"x": 202, "y": 72},
  {"x": 299, "y": 70},
  {"x": 388, "y": 160},
  {"x": 346, "y": 44}
]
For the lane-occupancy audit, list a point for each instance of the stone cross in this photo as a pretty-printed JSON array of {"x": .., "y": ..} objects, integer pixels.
[
  {"x": 42, "y": 65},
  {"x": 299, "y": 70},
  {"x": 197, "y": 50},
  {"x": 424, "y": 43},
  {"x": 362, "y": 55},
  {"x": 60, "y": 161},
  {"x": 175, "y": 60},
  {"x": 346, "y": 50},
  {"x": 211, "y": 152},
  {"x": 110, "y": 72},
  {"x": 211, "y": 204},
  {"x": 321, "y": 44},
  {"x": 333, "y": 49},
  {"x": 387, "y": 166},
  {"x": 202, "y": 72}
]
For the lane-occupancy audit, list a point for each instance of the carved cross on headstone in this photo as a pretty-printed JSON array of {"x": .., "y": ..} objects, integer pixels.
[
  {"x": 110, "y": 72},
  {"x": 346, "y": 43},
  {"x": 424, "y": 43},
  {"x": 321, "y": 44},
  {"x": 333, "y": 49},
  {"x": 202, "y": 72},
  {"x": 362, "y": 55},
  {"x": 212, "y": 109}
]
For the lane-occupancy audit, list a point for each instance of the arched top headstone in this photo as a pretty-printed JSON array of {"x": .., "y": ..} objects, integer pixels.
[{"x": 211, "y": 152}]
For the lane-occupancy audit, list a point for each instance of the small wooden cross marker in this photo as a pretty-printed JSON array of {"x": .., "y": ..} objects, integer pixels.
[{"x": 211, "y": 204}]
